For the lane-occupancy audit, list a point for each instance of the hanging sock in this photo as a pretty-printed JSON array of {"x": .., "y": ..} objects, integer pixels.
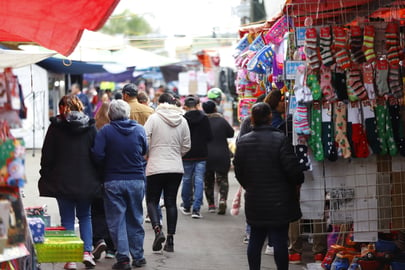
[
  {"x": 355, "y": 89},
  {"x": 328, "y": 92},
  {"x": 315, "y": 140},
  {"x": 359, "y": 138},
  {"x": 368, "y": 79},
  {"x": 340, "y": 128},
  {"x": 328, "y": 139},
  {"x": 356, "y": 44},
  {"x": 311, "y": 49},
  {"x": 325, "y": 43},
  {"x": 382, "y": 77},
  {"x": 342, "y": 55},
  {"x": 397, "y": 126},
  {"x": 313, "y": 84},
  {"x": 339, "y": 83},
  {"x": 300, "y": 120},
  {"x": 395, "y": 81},
  {"x": 368, "y": 43},
  {"x": 392, "y": 43},
  {"x": 371, "y": 127},
  {"x": 384, "y": 129}
]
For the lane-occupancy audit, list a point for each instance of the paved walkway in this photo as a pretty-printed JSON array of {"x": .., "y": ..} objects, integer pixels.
[{"x": 213, "y": 242}]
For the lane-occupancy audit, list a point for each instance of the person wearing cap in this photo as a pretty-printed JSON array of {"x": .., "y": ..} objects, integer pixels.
[
  {"x": 139, "y": 112},
  {"x": 194, "y": 161},
  {"x": 219, "y": 158}
]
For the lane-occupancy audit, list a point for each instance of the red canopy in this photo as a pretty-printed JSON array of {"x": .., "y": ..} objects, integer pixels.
[{"x": 53, "y": 24}]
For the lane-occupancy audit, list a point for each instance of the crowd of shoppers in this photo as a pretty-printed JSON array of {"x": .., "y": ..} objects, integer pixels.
[{"x": 131, "y": 152}]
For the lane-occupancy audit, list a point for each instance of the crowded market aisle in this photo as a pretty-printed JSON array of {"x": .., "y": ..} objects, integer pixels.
[{"x": 213, "y": 242}]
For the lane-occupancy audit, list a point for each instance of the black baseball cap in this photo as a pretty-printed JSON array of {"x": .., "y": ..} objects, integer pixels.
[{"x": 130, "y": 89}]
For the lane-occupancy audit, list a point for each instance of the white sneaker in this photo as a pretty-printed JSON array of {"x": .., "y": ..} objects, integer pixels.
[
  {"x": 88, "y": 260},
  {"x": 70, "y": 266},
  {"x": 269, "y": 250}
]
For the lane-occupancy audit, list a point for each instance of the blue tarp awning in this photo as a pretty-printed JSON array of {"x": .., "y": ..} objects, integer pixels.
[{"x": 65, "y": 66}]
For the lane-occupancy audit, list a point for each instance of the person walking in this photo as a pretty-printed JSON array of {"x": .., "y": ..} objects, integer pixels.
[
  {"x": 120, "y": 146},
  {"x": 169, "y": 139},
  {"x": 194, "y": 161},
  {"x": 68, "y": 172},
  {"x": 219, "y": 158},
  {"x": 272, "y": 192},
  {"x": 139, "y": 112},
  {"x": 88, "y": 107},
  {"x": 101, "y": 236}
]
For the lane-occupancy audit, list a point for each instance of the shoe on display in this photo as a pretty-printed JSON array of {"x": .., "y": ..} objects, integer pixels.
[
  {"x": 139, "y": 263},
  {"x": 121, "y": 266},
  {"x": 294, "y": 258},
  {"x": 269, "y": 250},
  {"x": 196, "y": 215},
  {"x": 98, "y": 249},
  {"x": 70, "y": 265},
  {"x": 88, "y": 260}
]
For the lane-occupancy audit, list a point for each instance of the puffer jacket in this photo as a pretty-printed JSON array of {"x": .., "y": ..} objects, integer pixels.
[{"x": 268, "y": 169}]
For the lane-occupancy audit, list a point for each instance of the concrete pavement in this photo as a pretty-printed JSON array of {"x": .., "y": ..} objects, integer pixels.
[{"x": 213, "y": 242}]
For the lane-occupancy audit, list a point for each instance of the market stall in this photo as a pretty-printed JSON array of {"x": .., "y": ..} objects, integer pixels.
[{"x": 340, "y": 66}]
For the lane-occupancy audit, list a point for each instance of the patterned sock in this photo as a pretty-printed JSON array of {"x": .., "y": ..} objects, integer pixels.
[
  {"x": 384, "y": 129},
  {"x": 342, "y": 55},
  {"x": 311, "y": 48},
  {"x": 301, "y": 150},
  {"x": 382, "y": 77},
  {"x": 394, "y": 81},
  {"x": 340, "y": 128},
  {"x": 397, "y": 127},
  {"x": 355, "y": 89},
  {"x": 368, "y": 43},
  {"x": 315, "y": 140},
  {"x": 300, "y": 120},
  {"x": 356, "y": 44},
  {"x": 327, "y": 90},
  {"x": 368, "y": 79},
  {"x": 313, "y": 84},
  {"x": 392, "y": 42},
  {"x": 325, "y": 42},
  {"x": 328, "y": 140}
]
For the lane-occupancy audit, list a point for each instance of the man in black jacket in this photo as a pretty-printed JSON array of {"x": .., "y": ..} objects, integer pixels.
[
  {"x": 268, "y": 169},
  {"x": 194, "y": 161}
]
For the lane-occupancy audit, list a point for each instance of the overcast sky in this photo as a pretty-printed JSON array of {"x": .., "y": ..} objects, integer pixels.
[{"x": 190, "y": 17}]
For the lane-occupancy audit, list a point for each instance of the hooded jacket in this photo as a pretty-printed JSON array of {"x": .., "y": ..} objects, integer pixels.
[
  {"x": 268, "y": 169},
  {"x": 168, "y": 138},
  {"x": 201, "y": 134},
  {"x": 67, "y": 168},
  {"x": 121, "y": 146}
]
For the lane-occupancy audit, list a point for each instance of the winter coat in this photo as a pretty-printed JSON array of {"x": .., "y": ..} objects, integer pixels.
[
  {"x": 268, "y": 169},
  {"x": 67, "y": 168},
  {"x": 201, "y": 134},
  {"x": 168, "y": 138},
  {"x": 121, "y": 146},
  {"x": 218, "y": 151}
]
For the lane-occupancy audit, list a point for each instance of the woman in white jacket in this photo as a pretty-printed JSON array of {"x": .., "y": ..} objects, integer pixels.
[{"x": 168, "y": 139}]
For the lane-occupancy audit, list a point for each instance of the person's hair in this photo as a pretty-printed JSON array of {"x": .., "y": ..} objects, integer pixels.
[
  {"x": 273, "y": 98},
  {"x": 142, "y": 97},
  {"x": 260, "y": 98},
  {"x": 130, "y": 89},
  {"x": 118, "y": 95},
  {"x": 191, "y": 101},
  {"x": 261, "y": 114},
  {"x": 209, "y": 106},
  {"x": 101, "y": 116},
  {"x": 167, "y": 98},
  {"x": 118, "y": 109},
  {"x": 71, "y": 103}
]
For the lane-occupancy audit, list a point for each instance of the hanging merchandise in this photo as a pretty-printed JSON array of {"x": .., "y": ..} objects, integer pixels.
[
  {"x": 392, "y": 43},
  {"x": 355, "y": 88},
  {"x": 397, "y": 125},
  {"x": 358, "y": 136},
  {"x": 340, "y": 128},
  {"x": 328, "y": 92},
  {"x": 368, "y": 79},
  {"x": 302, "y": 92},
  {"x": 356, "y": 44},
  {"x": 311, "y": 49},
  {"x": 395, "y": 81},
  {"x": 384, "y": 128},
  {"x": 325, "y": 45},
  {"x": 315, "y": 140},
  {"x": 370, "y": 123},
  {"x": 328, "y": 139},
  {"x": 381, "y": 80},
  {"x": 339, "y": 83},
  {"x": 275, "y": 34},
  {"x": 342, "y": 55},
  {"x": 300, "y": 120},
  {"x": 313, "y": 84},
  {"x": 368, "y": 43}
]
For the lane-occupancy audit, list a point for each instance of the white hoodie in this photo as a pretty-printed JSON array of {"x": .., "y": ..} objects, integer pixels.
[{"x": 168, "y": 139}]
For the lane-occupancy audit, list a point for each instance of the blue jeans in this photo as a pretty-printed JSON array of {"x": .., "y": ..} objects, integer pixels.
[
  {"x": 279, "y": 240},
  {"x": 68, "y": 209},
  {"x": 124, "y": 214},
  {"x": 192, "y": 169}
]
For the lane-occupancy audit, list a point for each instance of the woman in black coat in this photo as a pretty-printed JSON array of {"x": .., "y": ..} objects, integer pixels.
[
  {"x": 268, "y": 169},
  {"x": 68, "y": 172},
  {"x": 219, "y": 158}
]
